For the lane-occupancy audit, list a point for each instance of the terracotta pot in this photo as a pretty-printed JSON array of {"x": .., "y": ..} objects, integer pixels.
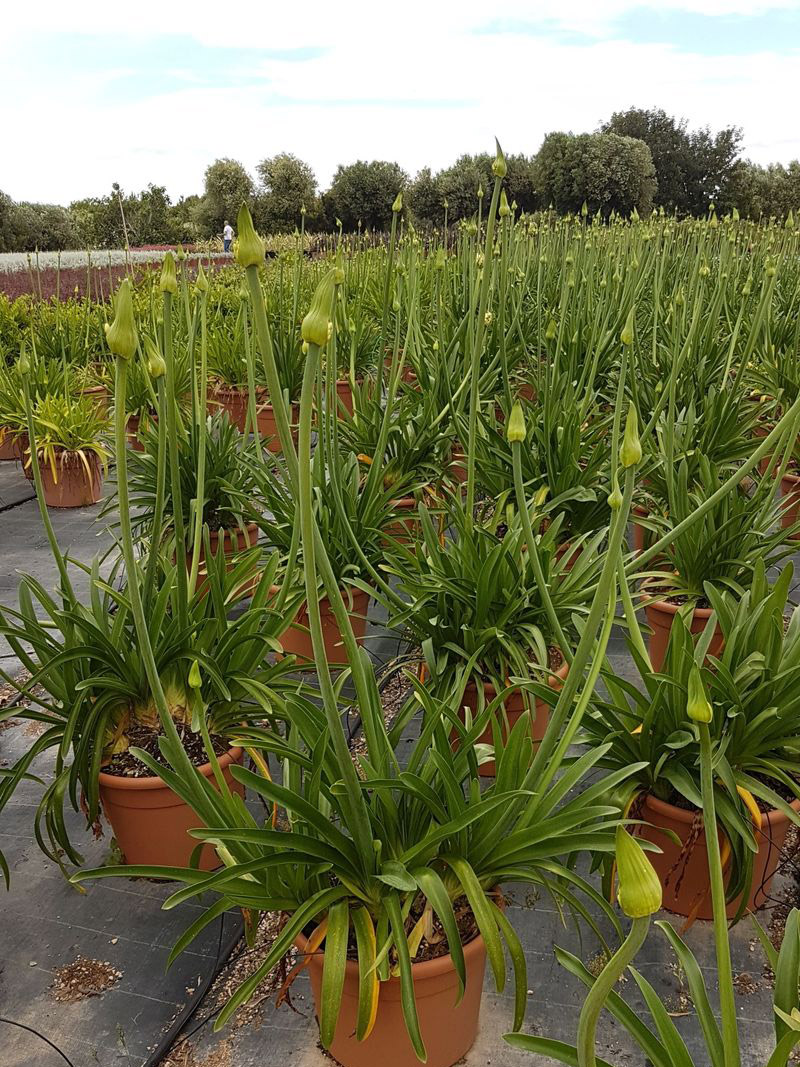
[
  {"x": 660, "y": 615},
  {"x": 73, "y": 487},
  {"x": 132, "y": 427},
  {"x": 458, "y": 465},
  {"x": 639, "y": 532},
  {"x": 150, "y": 822},
  {"x": 9, "y": 449},
  {"x": 403, "y": 530},
  {"x": 569, "y": 553},
  {"x": 790, "y": 503},
  {"x": 235, "y": 400},
  {"x": 101, "y": 395},
  {"x": 759, "y": 433},
  {"x": 234, "y": 542},
  {"x": 296, "y": 639},
  {"x": 687, "y": 888},
  {"x": 407, "y": 374},
  {"x": 448, "y": 1028},
  {"x": 514, "y": 705},
  {"x": 344, "y": 394}
]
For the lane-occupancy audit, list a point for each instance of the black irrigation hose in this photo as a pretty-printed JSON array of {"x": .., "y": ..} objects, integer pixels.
[
  {"x": 191, "y": 1006},
  {"x": 47, "y": 1041}
]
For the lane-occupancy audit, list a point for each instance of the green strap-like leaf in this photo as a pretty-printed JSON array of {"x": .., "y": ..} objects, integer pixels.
[
  {"x": 407, "y": 998},
  {"x": 333, "y": 970}
]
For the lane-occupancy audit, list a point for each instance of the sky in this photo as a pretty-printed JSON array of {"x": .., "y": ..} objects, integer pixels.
[{"x": 96, "y": 91}]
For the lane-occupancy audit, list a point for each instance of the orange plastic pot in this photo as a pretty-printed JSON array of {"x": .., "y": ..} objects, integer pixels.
[
  {"x": 234, "y": 542},
  {"x": 236, "y": 400},
  {"x": 514, "y": 706},
  {"x": 8, "y": 444},
  {"x": 150, "y": 822},
  {"x": 404, "y": 529},
  {"x": 344, "y": 394},
  {"x": 685, "y": 878},
  {"x": 660, "y": 616},
  {"x": 790, "y": 503},
  {"x": 132, "y": 427},
  {"x": 296, "y": 639},
  {"x": 73, "y": 486},
  {"x": 448, "y": 1028}
]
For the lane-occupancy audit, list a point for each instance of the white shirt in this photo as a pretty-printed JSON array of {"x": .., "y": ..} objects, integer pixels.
[{"x": 227, "y": 232}]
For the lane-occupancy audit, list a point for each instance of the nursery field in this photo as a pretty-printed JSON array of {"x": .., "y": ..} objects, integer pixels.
[{"x": 401, "y": 642}]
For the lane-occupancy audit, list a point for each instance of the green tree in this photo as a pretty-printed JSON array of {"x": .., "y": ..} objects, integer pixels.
[
  {"x": 48, "y": 227},
  {"x": 608, "y": 172},
  {"x": 6, "y": 223},
  {"x": 287, "y": 185},
  {"x": 227, "y": 187},
  {"x": 459, "y": 183},
  {"x": 693, "y": 167},
  {"x": 363, "y": 192}
]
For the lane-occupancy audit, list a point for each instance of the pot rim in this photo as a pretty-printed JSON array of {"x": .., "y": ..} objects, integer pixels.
[
  {"x": 791, "y": 479},
  {"x": 250, "y": 528},
  {"x": 683, "y": 815},
  {"x": 114, "y": 781},
  {"x": 666, "y": 608},
  {"x": 422, "y": 970},
  {"x": 490, "y": 692}
]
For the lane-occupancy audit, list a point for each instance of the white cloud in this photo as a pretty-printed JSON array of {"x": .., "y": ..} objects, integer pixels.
[{"x": 69, "y": 140}]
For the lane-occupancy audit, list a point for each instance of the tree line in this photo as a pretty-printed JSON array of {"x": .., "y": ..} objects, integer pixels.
[{"x": 640, "y": 159}]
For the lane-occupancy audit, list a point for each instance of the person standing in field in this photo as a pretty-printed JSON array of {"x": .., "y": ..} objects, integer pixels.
[{"x": 227, "y": 236}]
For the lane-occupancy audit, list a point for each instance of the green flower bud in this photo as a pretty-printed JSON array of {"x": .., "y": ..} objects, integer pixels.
[
  {"x": 24, "y": 361},
  {"x": 499, "y": 167},
  {"x": 584, "y": 209},
  {"x": 735, "y": 214},
  {"x": 250, "y": 247},
  {"x": 121, "y": 334},
  {"x": 314, "y": 328},
  {"x": 397, "y": 206},
  {"x": 169, "y": 279},
  {"x": 488, "y": 318},
  {"x": 516, "y": 424},
  {"x": 481, "y": 193},
  {"x": 441, "y": 259},
  {"x": 504, "y": 210},
  {"x": 156, "y": 367},
  {"x": 201, "y": 281},
  {"x": 789, "y": 224},
  {"x": 627, "y": 330},
  {"x": 639, "y": 888},
  {"x": 698, "y": 707},
  {"x": 631, "y": 451},
  {"x": 195, "y": 679},
  {"x": 615, "y": 498},
  {"x": 302, "y": 209},
  {"x": 550, "y": 332},
  {"x": 181, "y": 254}
]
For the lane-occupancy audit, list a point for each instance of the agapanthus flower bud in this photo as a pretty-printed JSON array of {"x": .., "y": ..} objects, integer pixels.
[
  {"x": 504, "y": 210},
  {"x": 169, "y": 278},
  {"x": 314, "y": 328},
  {"x": 195, "y": 678},
  {"x": 249, "y": 247},
  {"x": 698, "y": 707},
  {"x": 121, "y": 335},
  {"x": 499, "y": 167},
  {"x": 639, "y": 889},
  {"x": 631, "y": 450},
  {"x": 516, "y": 424},
  {"x": 626, "y": 336},
  {"x": 201, "y": 281},
  {"x": 397, "y": 206}
]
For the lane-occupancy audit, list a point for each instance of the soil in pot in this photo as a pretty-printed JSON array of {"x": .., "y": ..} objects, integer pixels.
[
  {"x": 448, "y": 1028},
  {"x": 683, "y": 869},
  {"x": 296, "y": 639},
  {"x": 514, "y": 705},
  {"x": 661, "y": 614},
  {"x": 72, "y": 486},
  {"x": 149, "y": 821}
]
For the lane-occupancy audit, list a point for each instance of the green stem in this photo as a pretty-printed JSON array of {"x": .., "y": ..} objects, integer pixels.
[
  {"x": 174, "y": 469},
  {"x": 603, "y": 986},
  {"x": 727, "y": 1003},
  {"x": 202, "y": 406}
]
